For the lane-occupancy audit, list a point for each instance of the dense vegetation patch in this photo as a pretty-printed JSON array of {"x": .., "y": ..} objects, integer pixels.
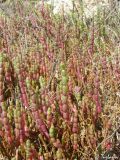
[{"x": 59, "y": 85}]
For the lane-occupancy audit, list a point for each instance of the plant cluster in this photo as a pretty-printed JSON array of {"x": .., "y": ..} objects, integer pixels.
[{"x": 59, "y": 85}]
